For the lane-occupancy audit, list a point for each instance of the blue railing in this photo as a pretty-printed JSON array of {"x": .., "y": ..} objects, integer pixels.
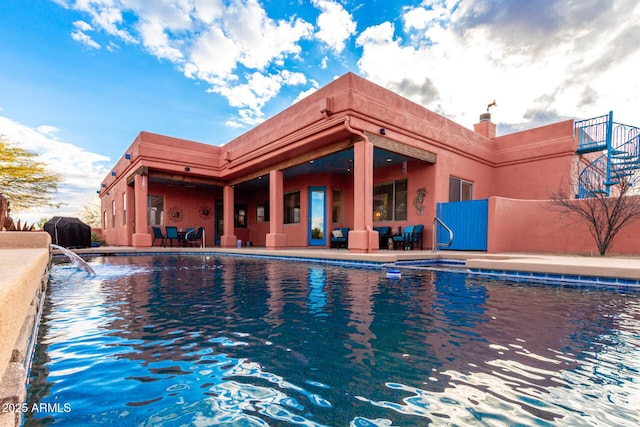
[
  {"x": 592, "y": 134},
  {"x": 620, "y": 145}
]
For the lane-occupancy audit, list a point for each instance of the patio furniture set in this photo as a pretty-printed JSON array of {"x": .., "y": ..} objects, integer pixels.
[
  {"x": 407, "y": 239},
  {"x": 191, "y": 236}
]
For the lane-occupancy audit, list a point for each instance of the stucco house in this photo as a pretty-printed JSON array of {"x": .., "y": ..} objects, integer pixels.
[{"x": 352, "y": 155}]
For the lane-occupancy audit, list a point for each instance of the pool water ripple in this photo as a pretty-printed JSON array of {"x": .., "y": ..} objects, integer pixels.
[{"x": 205, "y": 340}]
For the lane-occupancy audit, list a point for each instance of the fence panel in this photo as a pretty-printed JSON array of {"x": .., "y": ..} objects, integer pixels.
[{"x": 469, "y": 222}]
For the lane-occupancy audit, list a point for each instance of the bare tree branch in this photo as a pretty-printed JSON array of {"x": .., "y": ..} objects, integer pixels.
[{"x": 605, "y": 214}]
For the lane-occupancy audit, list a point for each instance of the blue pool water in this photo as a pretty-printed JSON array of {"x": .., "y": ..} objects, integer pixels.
[{"x": 223, "y": 341}]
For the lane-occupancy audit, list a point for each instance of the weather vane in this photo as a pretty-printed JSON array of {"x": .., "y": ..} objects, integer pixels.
[{"x": 492, "y": 104}]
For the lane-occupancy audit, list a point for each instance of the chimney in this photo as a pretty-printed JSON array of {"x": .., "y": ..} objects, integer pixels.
[{"x": 486, "y": 127}]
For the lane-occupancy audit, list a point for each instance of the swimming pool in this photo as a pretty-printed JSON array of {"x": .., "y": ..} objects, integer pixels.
[{"x": 227, "y": 341}]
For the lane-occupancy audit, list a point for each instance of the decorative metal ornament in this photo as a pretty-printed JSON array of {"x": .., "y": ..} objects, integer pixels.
[
  {"x": 175, "y": 213},
  {"x": 205, "y": 212},
  {"x": 419, "y": 200}
]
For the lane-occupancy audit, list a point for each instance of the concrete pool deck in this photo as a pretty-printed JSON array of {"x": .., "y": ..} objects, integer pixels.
[{"x": 563, "y": 265}]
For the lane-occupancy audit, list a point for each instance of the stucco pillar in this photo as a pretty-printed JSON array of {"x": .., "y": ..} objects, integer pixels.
[
  {"x": 228, "y": 238},
  {"x": 141, "y": 236},
  {"x": 362, "y": 238},
  {"x": 276, "y": 238}
]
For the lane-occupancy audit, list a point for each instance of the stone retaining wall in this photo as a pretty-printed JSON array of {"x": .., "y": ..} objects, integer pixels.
[{"x": 24, "y": 271}]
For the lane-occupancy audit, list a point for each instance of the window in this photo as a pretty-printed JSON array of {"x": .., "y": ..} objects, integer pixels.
[
  {"x": 240, "y": 216},
  {"x": 124, "y": 208},
  {"x": 105, "y": 221},
  {"x": 156, "y": 210},
  {"x": 292, "y": 208},
  {"x": 262, "y": 212},
  {"x": 390, "y": 201},
  {"x": 336, "y": 206},
  {"x": 113, "y": 213},
  {"x": 460, "y": 190}
]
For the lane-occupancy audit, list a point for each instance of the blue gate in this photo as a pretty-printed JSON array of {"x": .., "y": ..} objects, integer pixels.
[{"x": 468, "y": 220}]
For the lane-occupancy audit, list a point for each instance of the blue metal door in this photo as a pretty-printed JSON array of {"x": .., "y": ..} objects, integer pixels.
[{"x": 469, "y": 222}]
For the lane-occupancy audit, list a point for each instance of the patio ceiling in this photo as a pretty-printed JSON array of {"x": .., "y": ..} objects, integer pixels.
[{"x": 340, "y": 163}]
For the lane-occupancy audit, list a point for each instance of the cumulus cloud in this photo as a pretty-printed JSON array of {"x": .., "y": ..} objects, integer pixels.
[
  {"x": 251, "y": 97},
  {"x": 335, "y": 24},
  {"x": 452, "y": 56},
  {"x": 82, "y": 171},
  {"x": 570, "y": 59},
  {"x": 234, "y": 46}
]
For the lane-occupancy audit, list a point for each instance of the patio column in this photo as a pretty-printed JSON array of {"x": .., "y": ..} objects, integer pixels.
[
  {"x": 276, "y": 238},
  {"x": 228, "y": 238},
  {"x": 141, "y": 236},
  {"x": 363, "y": 238}
]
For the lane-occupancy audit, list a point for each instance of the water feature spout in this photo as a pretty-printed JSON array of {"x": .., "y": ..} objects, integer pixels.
[{"x": 76, "y": 260}]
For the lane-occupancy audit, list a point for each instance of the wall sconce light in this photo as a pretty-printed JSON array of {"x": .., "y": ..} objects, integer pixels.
[
  {"x": 127, "y": 156},
  {"x": 187, "y": 168},
  {"x": 113, "y": 173},
  {"x": 383, "y": 131}
]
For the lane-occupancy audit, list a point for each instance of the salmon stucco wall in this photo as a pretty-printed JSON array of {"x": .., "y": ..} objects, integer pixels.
[
  {"x": 538, "y": 226},
  {"x": 534, "y": 163}
]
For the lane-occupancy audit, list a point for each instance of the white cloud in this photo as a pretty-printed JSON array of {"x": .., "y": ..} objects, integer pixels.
[
  {"x": 454, "y": 58},
  {"x": 48, "y": 131},
  {"x": 222, "y": 43},
  {"x": 156, "y": 41},
  {"x": 82, "y": 26},
  {"x": 335, "y": 24},
  {"x": 260, "y": 39},
  {"x": 251, "y": 96},
  {"x": 82, "y": 171},
  {"x": 213, "y": 58},
  {"x": 314, "y": 87},
  {"x": 79, "y": 35}
]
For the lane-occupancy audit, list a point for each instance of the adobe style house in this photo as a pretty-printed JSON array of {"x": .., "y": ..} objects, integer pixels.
[{"x": 351, "y": 155}]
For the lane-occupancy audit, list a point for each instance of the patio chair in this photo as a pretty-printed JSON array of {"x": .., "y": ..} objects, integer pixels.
[
  {"x": 193, "y": 237},
  {"x": 157, "y": 234},
  {"x": 172, "y": 234},
  {"x": 384, "y": 233},
  {"x": 415, "y": 238},
  {"x": 339, "y": 236},
  {"x": 402, "y": 239}
]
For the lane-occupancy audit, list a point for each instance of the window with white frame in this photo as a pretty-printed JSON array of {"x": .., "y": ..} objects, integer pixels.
[{"x": 460, "y": 189}]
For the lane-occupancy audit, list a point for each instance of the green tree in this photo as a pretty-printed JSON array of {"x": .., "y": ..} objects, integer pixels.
[
  {"x": 25, "y": 181},
  {"x": 90, "y": 214}
]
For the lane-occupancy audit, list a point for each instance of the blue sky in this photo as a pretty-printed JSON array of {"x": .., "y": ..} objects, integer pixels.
[{"x": 80, "y": 78}]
